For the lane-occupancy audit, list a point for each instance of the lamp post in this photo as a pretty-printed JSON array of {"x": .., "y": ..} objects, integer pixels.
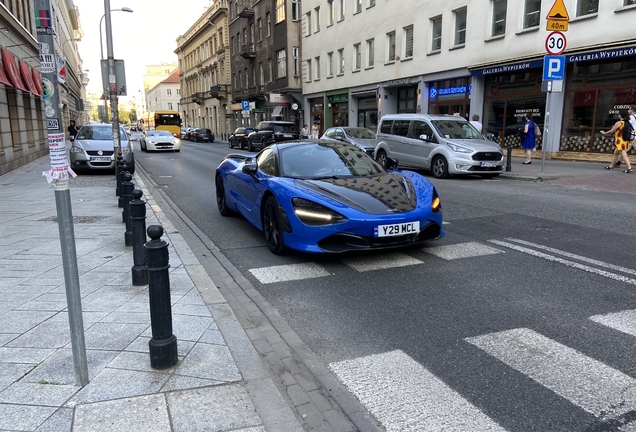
[{"x": 101, "y": 43}]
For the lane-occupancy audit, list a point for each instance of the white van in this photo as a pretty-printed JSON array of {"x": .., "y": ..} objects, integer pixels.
[{"x": 442, "y": 144}]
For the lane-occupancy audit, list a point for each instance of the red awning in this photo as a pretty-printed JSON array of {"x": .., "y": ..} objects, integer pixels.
[
  {"x": 3, "y": 76},
  {"x": 12, "y": 69},
  {"x": 27, "y": 76},
  {"x": 37, "y": 80}
]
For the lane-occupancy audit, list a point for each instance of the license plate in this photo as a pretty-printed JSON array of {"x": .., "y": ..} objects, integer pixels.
[
  {"x": 100, "y": 159},
  {"x": 288, "y": 136},
  {"x": 488, "y": 164},
  {"x": 396, "y": 229}
]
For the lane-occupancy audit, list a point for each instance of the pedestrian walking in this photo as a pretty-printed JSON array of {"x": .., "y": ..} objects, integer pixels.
[
  {"x": 632, "y": 120},
  {"x": 72, "y": 130},
  {"x": 475, "y": 122},
  {"x": 621, "y": 144},
  {"x": 529, "y": 142},
  {"x": 304, "y": 132},
  {"x": 315, "y": 131}
]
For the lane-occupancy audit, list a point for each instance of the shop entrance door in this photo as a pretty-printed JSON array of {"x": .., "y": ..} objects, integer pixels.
[{"x": 451, "y": 108}]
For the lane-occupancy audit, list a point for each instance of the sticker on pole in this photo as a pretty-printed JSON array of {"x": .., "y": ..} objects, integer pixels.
[
  {"x": 59, "y": 163},
  {"x": 555, "y": 43}
]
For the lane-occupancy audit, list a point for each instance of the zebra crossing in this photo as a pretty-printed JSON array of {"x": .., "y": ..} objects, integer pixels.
[{"x": 404, "y": 396}]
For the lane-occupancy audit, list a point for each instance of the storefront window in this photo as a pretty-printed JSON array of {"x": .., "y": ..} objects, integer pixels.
[
  {"x": 449, "y": 97},
  {"x": 407, "y": 100}
]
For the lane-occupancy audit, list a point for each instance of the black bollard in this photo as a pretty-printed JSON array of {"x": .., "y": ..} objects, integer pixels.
[
  {"x": 123, "y": 170},
  {"x": 127, "y": 188},
  {"x": 163, "y": 344},
  {"x": 509, "y": 158},
  {"x": 138, "y": 218},
  {"x": 120, "y": 161}
]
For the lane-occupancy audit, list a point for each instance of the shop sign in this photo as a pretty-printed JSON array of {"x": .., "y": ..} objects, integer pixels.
[
  {"x": 513, "y": 67},
  {"x": 536, "y": 112},
  {"x": 400, "y": 82},
  {"x": 278, "y": 98},
  {"x": 236, "y": 106},
  {"x": 341, "y": 98},
  {"x": 602, "y": 55},
  {"x": 446, "y": 91}
]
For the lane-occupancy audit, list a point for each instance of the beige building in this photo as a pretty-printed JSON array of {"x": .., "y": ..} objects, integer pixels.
[
  {"x": 157, "y": 73},
  {"x": 204, "y": 62},
  {"x": 166, "y": 95}
]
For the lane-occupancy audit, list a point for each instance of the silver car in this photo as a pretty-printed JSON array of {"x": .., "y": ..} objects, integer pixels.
[
  {"x": 361, "y": 137},
  {"x": 443, "y": 144},
  {"x": 93, "y": 149}
]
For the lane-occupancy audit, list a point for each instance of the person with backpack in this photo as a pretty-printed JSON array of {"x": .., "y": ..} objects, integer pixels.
[
  {"x": 632, "y": 121},
  {"x": 622, "y": 130}
]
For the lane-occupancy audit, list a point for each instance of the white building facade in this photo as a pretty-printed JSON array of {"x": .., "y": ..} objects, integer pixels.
[
  {"x": 366, "y": 58},
  {"x": 166, "y": 95}
]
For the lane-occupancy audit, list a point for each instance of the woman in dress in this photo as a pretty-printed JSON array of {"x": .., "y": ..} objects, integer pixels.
[
  {"x": 621, "y": 145},
  {"x": 529, "y": 140}
]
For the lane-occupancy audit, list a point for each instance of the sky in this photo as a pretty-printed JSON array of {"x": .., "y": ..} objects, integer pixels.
[{"x": 146, "y": 36}]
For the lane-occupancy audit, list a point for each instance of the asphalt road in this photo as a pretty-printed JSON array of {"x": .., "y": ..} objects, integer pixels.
[{"x": 505, "y": 320}]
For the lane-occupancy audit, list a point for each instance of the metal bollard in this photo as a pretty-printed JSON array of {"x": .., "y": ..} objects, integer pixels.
[
  {"x": 138, "y": 218},
  {"x": 123, "y": 170},
  {"x": 509, "y": 158},
  {"x": 118, "y": 164},
  {"x": 127, "y": 188},
  {"x": 163, "y": 344}
]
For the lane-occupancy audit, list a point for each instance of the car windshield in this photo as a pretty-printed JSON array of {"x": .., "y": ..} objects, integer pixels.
[
  {"x": 159, "y": 133},
  {"x": 455, "y": 129},
  {"x": 285, "y": 128},
  {"x": 327, "y": 160},
  {"x": 361, "y": 133},
  {"x": 99, "y": 133}
]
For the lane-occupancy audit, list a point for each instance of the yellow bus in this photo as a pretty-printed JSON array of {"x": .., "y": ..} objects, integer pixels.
[{"x": 162, "y": 120}]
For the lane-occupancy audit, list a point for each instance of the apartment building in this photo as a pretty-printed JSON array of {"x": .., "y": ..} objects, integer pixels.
[
  {"x": 166, "y": 95},
  {"x": 204, "y": 64},
  {"x": 366, "y": 58},
  {"x": 266, "y": 60}
]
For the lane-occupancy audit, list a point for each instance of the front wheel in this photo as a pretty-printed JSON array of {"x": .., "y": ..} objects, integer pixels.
[
  {"x": 221, "y": 203},
  {"x": 272, "y": 226},
  {"x": 250, "y": 147},
  {"x": 231, "y": 145},
  {"x": 381, "y": 158},
  {"x": 439, "y": 168}
]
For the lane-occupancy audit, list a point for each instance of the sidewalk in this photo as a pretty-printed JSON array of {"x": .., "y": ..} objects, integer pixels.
[
  {"x": 210, "y": 388},
  {"x": 553, "y": 169}
]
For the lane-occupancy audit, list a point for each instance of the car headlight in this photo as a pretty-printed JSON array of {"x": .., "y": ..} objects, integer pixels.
[
  {"x": 315, "y": 214},
  {"x": 151, "y": 141},
  {"x": 76, "y": 150},
  {"x": 176, "y": 141},
  {"x": 459, "y": 149},
  {"x": 125, "y": 150}
]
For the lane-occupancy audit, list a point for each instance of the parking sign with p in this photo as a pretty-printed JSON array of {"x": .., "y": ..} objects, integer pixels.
[{"x": 553, "y": 68}]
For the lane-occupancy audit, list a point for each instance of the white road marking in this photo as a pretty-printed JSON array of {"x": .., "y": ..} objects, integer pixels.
[
  {"x": 462, "y": 250},
  {"x": 624, "y": 321},
  {"x": 290, "y": 272},
  {"x": 404, "y": 396},
  {"x": 576, "y": 257},
  {"x": 587, "y": 383},
  {"x": 566, "y": 262},
  {"x": 380, "y": 262}
]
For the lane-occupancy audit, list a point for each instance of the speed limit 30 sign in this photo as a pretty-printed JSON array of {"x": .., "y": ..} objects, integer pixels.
[{"x": 555, "y": 43}]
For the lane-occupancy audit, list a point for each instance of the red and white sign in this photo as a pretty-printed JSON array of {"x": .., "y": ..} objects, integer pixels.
[{"x": 555, "y": 43}]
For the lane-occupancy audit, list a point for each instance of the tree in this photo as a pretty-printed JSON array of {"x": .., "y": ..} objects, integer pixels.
[
  {"x": 133, "y": 116},
  {"x": 124, "y": 118}
]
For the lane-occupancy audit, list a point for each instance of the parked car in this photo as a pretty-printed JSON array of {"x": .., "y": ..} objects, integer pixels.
[
  {"x": 270, "y": 132},
  {"x": 442, "y": 144},
  {"x": 239, "y": 137},
  {"x": 201, "y": 134},
  {"x": 327, "y": 197},
  {"x": 156, "y": 140},
  {"x": 93, "y": 148},
  {"x": 188, "y": 133},
  {"x": 359, "y": 136},
  {"x": 183, "y": 133}
]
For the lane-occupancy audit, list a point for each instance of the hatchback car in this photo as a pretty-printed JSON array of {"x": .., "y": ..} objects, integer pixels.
[
  {"x": 270, "y": 132},
  {"x": 442, "y": 144},
  {"x": 93, "y": 149},
  {"x": 156, "y": 140},
  {"x": 361, "y": 137},
  {"x": 239, "y": 137},
  {"x": 201, "y": 134}
]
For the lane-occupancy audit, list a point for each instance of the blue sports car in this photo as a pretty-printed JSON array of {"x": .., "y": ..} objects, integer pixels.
[{"x": 327, "y": 196}]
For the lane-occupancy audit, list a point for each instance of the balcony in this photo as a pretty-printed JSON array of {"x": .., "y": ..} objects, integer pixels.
[
  {"x": 248, "y": 51},
  {"x": 245, "y": 8},
  {"x": 219, "y": 91},
  {"x": 258, "y": 90},
  {"x": 197, "y": 97}
]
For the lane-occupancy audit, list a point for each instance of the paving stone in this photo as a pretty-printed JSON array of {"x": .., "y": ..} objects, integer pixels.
[
  {"x": 26, "y": 393},
  {"x": 23, "y": 417},
  {"x": 112, "y": 336},
  {"x": 297, "y": 395},
  {"x": 211, "y": 362},
  {"x": 60, "y": 421}
]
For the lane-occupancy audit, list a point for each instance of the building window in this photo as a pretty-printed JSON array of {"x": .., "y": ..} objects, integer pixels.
[
  {"x": 261, "y": 74},
  {"x": 270, "y": 70},
  {"x": 460, "y": 27},
  {"x": 169, "y": 92},
  {"x": 178, "y": 92},
  {"x": 341, "y": 61},
  {"x": 281, "y": 64},
  {"x": 317, "y": 14},
  {"x": 170, "y": 106},
  {"x": 332, "y": 12},
  {"x": 408, "y": 42},
  {"x": 342, "y": 10},
  {"x": 358, "y": 6},
  {"x": 370, "y": 52},
  {"x": 499, "y": 17},
  {"x": 371, "y": 3},
  {"x": 268, "y": 21},
  {"x": 240, "y": 79},
  {"x": 390, "y": 42},
  {"x": 260, "y": 29},
  {"x": 629, "y": 2},
  {"x": 437, "y": 34},
  {"x": 532, "y": 13},
  {"x": 309, "y": 70},
  {"x": 233, "y": 45},
  {"x": 296, "y": 10},
  {"x": 317, "y": 61},
  {"x": 587, "y": 7},
  {"x": 280, "y": 11},
  {"x": 357, "y": 60},
  {"x": 296, "y": 58},
  {"x": 308, "y": 20},
  {"x": 330, "y": 56}
]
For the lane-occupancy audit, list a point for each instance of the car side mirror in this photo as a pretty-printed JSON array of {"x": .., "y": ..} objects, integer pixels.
[
  {"x": 391, "y": 164},
  {"x": 424, "y": 137},
  {"x": 250, "y": 168}
]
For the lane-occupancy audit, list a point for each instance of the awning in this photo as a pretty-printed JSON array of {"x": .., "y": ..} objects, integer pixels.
[
  {"x": 3, "y": 76},
  {"x": 37, "y": 80},
  {"x": 277, "y": 111},
  {"x": 27, "y": 77},
  {"x": 12, "y": 69}
]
